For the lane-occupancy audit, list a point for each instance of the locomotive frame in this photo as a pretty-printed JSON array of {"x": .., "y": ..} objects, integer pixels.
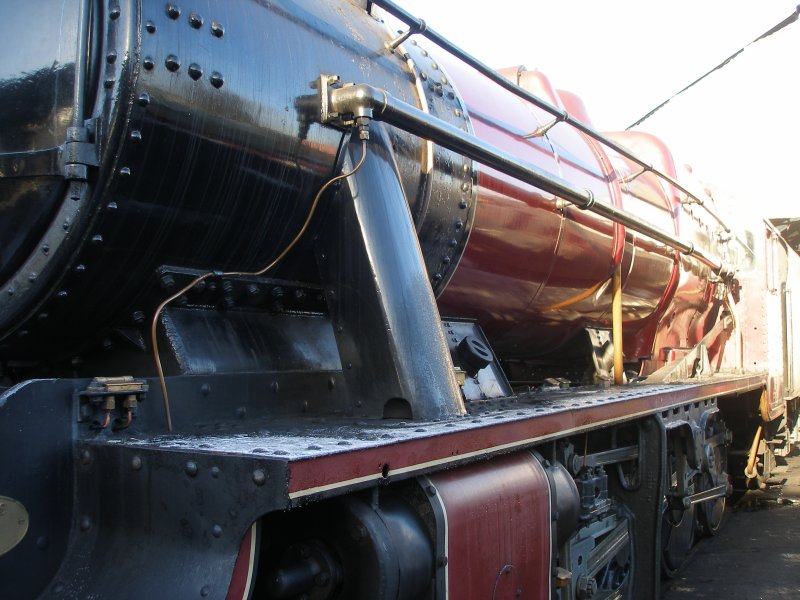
[{"x": 338, "y": 426}]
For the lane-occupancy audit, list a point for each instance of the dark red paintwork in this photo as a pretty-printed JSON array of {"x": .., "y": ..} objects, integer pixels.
[
  {"x": 506, "y": 505},
  {"x": 530, "y": 258},
  {"x": 414, "y": 456}
]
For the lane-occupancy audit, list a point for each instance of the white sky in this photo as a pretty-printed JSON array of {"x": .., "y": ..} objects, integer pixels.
[{"x": 738, "y": 128}]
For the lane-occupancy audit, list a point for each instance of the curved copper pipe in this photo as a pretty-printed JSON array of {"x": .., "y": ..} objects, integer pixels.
[{"x": 750, "y": 471}]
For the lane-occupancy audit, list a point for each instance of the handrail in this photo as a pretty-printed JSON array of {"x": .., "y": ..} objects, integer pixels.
[
  {"x": 364, "y": 102},
  {"x": 418, "y": 26}
]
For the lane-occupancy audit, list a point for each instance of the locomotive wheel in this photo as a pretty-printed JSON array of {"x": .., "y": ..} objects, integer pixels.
[
  {"x": 678, "y": 529},
  {"x": 711, "y": 511}
]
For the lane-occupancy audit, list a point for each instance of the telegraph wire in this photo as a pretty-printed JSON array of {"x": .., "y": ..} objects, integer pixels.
[{"x": 787, "y": 21}]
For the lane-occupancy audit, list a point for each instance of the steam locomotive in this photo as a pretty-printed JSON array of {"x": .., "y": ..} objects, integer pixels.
[{"x": 297, "y": 305}]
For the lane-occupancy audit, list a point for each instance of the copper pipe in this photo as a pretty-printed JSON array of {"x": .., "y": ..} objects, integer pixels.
[
  {"x": 575, "y": 299},
  {"x": 616, "y": 323},
  {"x": 750, "y": 471}
]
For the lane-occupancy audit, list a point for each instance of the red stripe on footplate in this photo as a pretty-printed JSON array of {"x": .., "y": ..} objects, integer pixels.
[{"x": 318, "y": 474}]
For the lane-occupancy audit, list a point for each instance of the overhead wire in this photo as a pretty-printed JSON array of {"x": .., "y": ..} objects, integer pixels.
[{"x": 787, "y": 21}]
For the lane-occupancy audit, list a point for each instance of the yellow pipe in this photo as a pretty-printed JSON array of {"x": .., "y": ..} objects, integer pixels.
[
  {"x": 616, "y": 323},
  {"x": 575, "y": 299},
  {"x": 750, "y": 471}
]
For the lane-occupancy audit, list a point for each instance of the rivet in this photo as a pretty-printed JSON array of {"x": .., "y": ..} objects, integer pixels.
[
  {"x": 109, "y": 83},
  {"x": 42, "y": 542},
  {"x": 216, "y": 79},
  {"x": 444, "y": 80},
  {"x": 167, "y": 281},
  {"x": 80, "y": 268},
  {"x": 114, "y": 13},
  {"x": 331, "y": 383},
  {"x": 97, "y": 239},
  {"x": 191, "y": 468},
  {"x": 136, "y": 136},
  {"x": 423, "y": 76},
  {"x": 172, "y": 63},
  {"x": 85, "y": 523},
  {"x": 459, "y": 224},
  {"x": 463, "y": 204},
  {"x": 22, "y": 333},
  {"x": 195, "y": 72},
  {"x": 138, "y": 317},
  {"x": 259, "y": 477},
  {"x": 431, "y": 490},
  {"x": 112, "y": 206},
  {"x": 85, "y": 457},
  {"x": 435, "y": 67},
  {"x": 205, "y": 389},
  {"x": 215, "y": 472},
  {"x": 10, "y": 291},
  {"x": 150, "y": 27},
  {"x": 45, "y": 248},
  {"x": 274, "y": 387},
  {"x": 173, "y": 12},
  {"x": 446, "y": 260},
  {"x": 58, "y": 588},
  {"x": 437, "y": 277},
  {"x": 65, "y": 226},
  {"x": 424, "y": 52},
  {"x": 358, "y": 533},
  {"x": 195, "y": 20},
  {"x": 42, "y": 316},
  {"x": 465, "y": 187},
  {"x": 205, "y": 591},
  {"x": 125, "y": 172},
  {"x": 111, "y": 57},
  {"x": 62, "y": 294},
  {"x": 136, "y": 463},
  {"x": 144, "y": 99},
  {"x": 216, "y": 531},
  {"x": 148, "y": 63},
  {"x": 217, "y": 29}
]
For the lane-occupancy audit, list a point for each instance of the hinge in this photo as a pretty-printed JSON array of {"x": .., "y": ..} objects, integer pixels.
[{"x": 79, "y": 152}]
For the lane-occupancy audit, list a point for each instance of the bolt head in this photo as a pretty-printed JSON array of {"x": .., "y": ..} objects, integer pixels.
[{"x": 259, "y": 477}]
